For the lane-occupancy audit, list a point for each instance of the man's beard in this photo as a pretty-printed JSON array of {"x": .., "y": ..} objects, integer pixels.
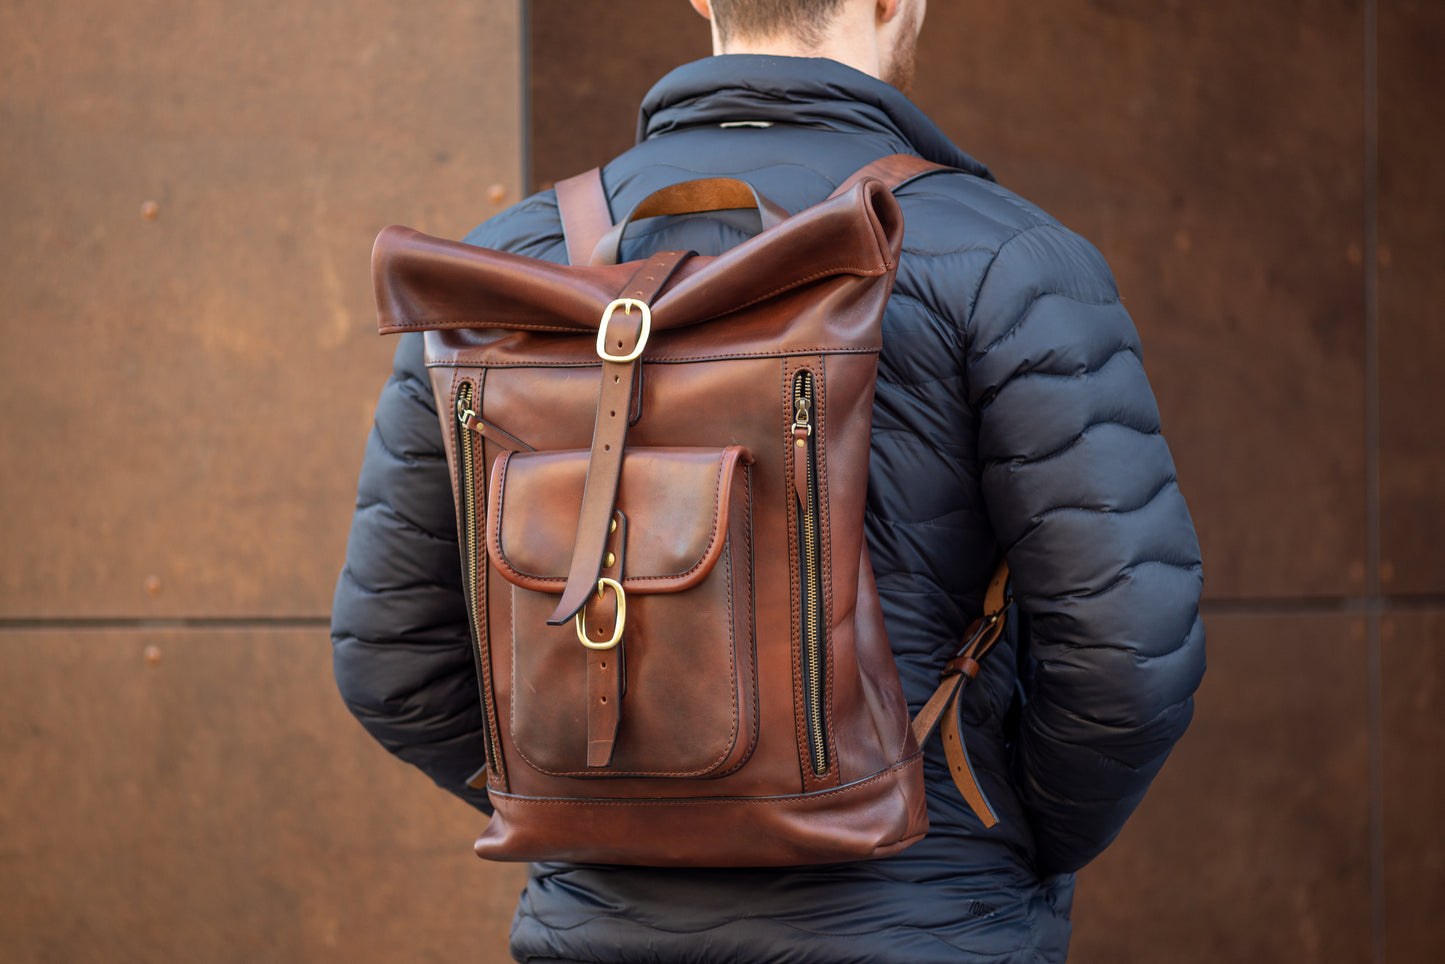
[{"x": 902, "y": 64}]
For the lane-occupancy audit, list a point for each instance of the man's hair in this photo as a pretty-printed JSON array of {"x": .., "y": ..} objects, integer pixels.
[{"x": 806, "y": 20}]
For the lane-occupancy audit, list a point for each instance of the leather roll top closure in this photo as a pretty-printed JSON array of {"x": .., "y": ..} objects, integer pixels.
[{"x": 429, "y": 284}]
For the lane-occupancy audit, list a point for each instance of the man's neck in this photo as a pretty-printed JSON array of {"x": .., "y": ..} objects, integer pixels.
[{"x": 848, "y": 42}]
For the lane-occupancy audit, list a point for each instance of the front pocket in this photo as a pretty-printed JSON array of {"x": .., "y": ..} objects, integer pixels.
[{"x": 688, "y": 702}]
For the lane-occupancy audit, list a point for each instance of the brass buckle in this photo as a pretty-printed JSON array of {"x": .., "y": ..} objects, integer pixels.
[
  {"x": 626, "y": 305},
  {"x": 580, "y": 620}
]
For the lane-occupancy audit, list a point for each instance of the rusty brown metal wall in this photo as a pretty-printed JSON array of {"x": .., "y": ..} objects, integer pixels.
[
  {"x": 1264, "y": 179},
  {"x": 189, "y": 192},
  {"x": 188, "y": 195}
]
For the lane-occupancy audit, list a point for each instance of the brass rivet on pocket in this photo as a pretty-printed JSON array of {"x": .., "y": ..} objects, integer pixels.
[{"x": 610, "y": 561}]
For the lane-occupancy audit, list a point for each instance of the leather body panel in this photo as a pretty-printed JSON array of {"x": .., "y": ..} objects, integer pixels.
[{"x": 717, "y": 371}]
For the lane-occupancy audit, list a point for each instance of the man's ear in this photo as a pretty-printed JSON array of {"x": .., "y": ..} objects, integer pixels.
[
  {"x": 887, "y": 9},
  {"x": 703, "y": 7}
]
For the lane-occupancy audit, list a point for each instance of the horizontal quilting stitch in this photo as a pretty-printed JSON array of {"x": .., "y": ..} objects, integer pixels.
[
  {"x": 1080, "y": 437},
  {"x": 404, "y": 523},
  {"x": 1083, "y": 374},
  {"x": 416, "y": 458},
  {"x": 1076, "y": 720},
  {"x": 960, "y": 452},
  {"x": 895, "y": 379},
  {"x": 1125, "y": 575},
  {"x": 1044, "y": 298},
  {"x": 1170, "y": 482}
]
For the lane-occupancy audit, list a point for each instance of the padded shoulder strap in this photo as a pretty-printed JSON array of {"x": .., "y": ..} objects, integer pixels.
[
  {"x": 585, "y": 215},
  {"x": 895, "y": 170}
]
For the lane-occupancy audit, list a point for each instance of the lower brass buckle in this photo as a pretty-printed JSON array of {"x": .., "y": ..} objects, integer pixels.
[{"x": 580, "y": 620}]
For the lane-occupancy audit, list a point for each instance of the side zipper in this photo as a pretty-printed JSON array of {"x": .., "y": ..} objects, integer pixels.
[
  {"x": 467, "y": 506},
  {"x": 810, "y": 575}
]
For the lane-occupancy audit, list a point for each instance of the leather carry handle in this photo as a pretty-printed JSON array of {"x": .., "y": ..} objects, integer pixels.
[
  {"x": 689, "y": 197},
  {"x": 587, "y": 217}
]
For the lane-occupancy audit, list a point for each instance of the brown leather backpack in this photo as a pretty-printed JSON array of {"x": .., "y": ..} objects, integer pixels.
[{"x": 660, "y": 470}]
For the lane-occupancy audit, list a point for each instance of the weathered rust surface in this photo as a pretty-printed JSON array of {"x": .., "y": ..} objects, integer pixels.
[
  {"x": 1412, "y": 298},
  {"x": 1214, "y": 153},
  {"x": 203, "y": 795},
  {"x": 189, "y": 358},
  {"x": 1253, "y": 843},
  {"x": 1413, "y": 704},
  {"x": 589, "y": 66}
]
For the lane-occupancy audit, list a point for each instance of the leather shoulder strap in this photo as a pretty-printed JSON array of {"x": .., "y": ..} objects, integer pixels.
[
  {"x": 585, "y": 215},
  {"x": 895, "y": 170}
]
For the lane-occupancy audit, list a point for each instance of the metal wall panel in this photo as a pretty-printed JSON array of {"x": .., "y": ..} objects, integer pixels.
[
  {"x": 1412, "y": 298},
  {"x": 584, "y": 94},
  {"x": 1253, "y": 844},
  {"x": 203, "y": 795},
  {"x": 189, "y": 357},
  {"x": 1413, "y": 797}
]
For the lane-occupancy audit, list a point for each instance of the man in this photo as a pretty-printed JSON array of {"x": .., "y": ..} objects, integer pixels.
[{"x": 1012, "y": 413}]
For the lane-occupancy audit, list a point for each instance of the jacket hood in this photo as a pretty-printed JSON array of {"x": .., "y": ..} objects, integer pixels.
[{"x": 814, "y": 92}]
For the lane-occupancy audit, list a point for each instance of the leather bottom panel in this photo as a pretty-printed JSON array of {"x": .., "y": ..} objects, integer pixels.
[{"x": 874, "y": 817}]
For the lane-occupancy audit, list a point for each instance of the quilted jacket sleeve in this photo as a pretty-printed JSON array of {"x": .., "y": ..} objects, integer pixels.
[
  {"x": 400, "y": 643},
  {"x": 1081, "y": 492}
]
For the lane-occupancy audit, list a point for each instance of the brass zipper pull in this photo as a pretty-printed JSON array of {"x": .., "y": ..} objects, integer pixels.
[
  {"x": 802, "y": 428},
  {"x": 802, "y": 416}
]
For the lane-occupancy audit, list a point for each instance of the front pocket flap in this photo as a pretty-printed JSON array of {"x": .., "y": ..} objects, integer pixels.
[{"x": 675, "y": 499}]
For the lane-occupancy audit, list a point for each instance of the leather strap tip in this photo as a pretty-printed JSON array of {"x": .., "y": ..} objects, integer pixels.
[
  {"x": 478, "y": 780},
  {"x": 560, "y": 618}
]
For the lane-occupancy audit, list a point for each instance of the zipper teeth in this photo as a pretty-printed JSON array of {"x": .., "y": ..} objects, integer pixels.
[
  {"x": 467, "y": 464},
  {"x": 812, "y": 646}
]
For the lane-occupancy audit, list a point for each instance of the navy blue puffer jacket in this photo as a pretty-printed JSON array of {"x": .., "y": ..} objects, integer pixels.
[{"x": 1012, "y": 412}]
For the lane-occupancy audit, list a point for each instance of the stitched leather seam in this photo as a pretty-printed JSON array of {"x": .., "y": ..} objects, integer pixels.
[
  {"x": 825, "y": 565},
  {"x": 851, "y": 788},
  {"x": 786, "y": 352}
]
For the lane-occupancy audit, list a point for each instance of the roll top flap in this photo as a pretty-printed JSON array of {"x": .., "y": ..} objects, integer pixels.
[{"x": 430, "y": 284}]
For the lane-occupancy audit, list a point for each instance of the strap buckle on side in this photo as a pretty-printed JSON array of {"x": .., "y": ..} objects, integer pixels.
[
  {"x": 626, "y": 304},
  {"x": 960, "y": 670}
]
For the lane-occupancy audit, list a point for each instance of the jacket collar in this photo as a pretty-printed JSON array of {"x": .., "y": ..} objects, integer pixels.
[{"x": 793, "y": 90}]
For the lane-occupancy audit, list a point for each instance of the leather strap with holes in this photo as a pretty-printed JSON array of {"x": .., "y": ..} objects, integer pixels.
[
  {"x": 606, "y": 667},
  {"x": 946, "y": 700},
  {"x": 624, "y": 331}
]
